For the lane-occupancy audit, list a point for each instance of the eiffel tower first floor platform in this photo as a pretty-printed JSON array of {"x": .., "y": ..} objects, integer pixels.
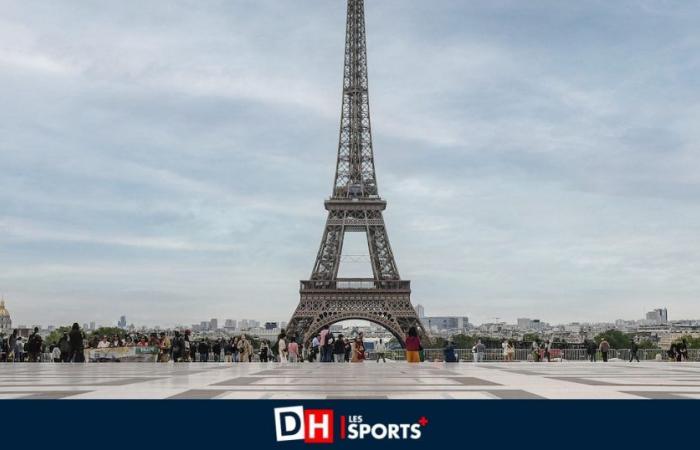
[{"x": 385, "y": 303}]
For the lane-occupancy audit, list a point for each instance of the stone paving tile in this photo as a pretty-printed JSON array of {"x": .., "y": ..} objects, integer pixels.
[{"x": 394, "y": 380}]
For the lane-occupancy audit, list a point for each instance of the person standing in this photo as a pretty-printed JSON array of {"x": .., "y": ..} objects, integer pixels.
[
  {"x": 323, "y": 343},
  {"x": 449, "y": 352},
  {"x": 34, "y": 345},
  {"x": 264, "y": 349},
  {"x": 293, "y": 350},
  {"x": 633, "y": 351},
  {"x": 64, "y": 346},
  {"x": 234, "y": 350},
  {"x": 510, "y": 351},
  {"x": 11, "y": 343},
  {"x": 77, "y": 347},
  {"x": 358, "y": 349},
  {"x": 188, "y": 349},
  {"x": 380, "y": 350},
  {"x": 592, "y": 350},
  {"x": 315, "y": 342},
  {"x": 683, "y": 350},
  {"x": 413, "y": 346},
  {"x": 203, "y": 349},
  {"x": 348, "y": 350},
  {"x": 548, "y": 350},
  {"x": 19, "y": 350},
  {"x": 339, "y": 349},
  {"x": 479, "y": 351},
  {"x": 164, "y": 345},
  {"x": 604, "y": 349},
  {"x": 216, "y": 349},
  {"x": 282, "y": 348},
  {"x": 177, "y": 347}
]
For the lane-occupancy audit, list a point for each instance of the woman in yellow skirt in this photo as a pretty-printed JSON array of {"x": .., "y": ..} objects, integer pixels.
[{"x": 413, "y": 346}]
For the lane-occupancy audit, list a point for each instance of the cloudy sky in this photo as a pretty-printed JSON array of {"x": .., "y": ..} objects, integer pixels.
[{"x": 169, "y": 160}]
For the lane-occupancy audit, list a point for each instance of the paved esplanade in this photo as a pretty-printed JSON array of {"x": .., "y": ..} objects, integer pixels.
[{"x": 394, "y": 380}]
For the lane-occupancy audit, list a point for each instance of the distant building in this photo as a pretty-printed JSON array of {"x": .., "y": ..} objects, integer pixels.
[
  {"x": 230, "y": 324},
  {"x": 420, "y": 311},
  {"x": 270, "y": 325},
  {"x": 658, "y": 316},
  {"x": 530, "y": 324},
  {"x": 454, "y": 323},
  {"x": 121, "y": 323},
  {"x": 214, "y": 324},
  {"x": 204, "y": 326},
  {"x": 92, "y": 326},
  {"x": 5, "y": 320}
]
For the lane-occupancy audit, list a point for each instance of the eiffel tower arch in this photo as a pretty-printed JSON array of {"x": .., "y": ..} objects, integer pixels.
[{"x": 355, "y": 206}]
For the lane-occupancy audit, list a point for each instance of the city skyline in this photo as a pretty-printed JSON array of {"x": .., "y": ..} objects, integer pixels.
[{"x": 173, "y": 164}]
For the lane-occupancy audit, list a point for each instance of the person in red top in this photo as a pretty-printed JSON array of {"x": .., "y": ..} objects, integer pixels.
[{"x": 413, "y": 346}]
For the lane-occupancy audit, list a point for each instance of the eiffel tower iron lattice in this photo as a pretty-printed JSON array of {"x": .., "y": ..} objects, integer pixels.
[{"x": 355, "y": 206}]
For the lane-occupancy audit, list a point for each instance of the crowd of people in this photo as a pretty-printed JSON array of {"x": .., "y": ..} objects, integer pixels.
[
  {"x": 328, "y": 347},
  {"x": 324, "y": 347},
  {"x": 182, "y": 347}
]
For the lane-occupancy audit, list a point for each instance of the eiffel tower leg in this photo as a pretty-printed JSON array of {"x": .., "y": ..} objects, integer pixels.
[{"x": 383, "y": 264}]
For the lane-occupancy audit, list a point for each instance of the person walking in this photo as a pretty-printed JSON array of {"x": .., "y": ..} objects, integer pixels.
[
  {"x": 77, "y": 346},
  {"x": 380, "y": 349},
  {"x": 413, "y": 346},
  {"x": 604, "y": 349},
  {"x": 633, "y": 351},
  {"x": 548, "y": 350},
  {"x": 339, "y": 349},
  {"x": 592, "y": 350}
]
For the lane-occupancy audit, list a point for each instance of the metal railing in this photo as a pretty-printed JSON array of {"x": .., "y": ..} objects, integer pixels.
[{"x": 490, "y": 355}]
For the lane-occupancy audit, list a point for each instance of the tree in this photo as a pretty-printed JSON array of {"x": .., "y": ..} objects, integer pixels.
[
  {"x": 693, "y": 342},
  {"x": 463, "y": 341},
  {"x": 106, "y": 331},
  {"x": 647, "y": 344},
  {"x": 531, "y": 337},
  {"x": 56, "y": 335},
  {"x": 616, "y": 339}
]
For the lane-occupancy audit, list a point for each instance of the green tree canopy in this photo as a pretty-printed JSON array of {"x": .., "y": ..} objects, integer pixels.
[{"x": 616, "y": 339}]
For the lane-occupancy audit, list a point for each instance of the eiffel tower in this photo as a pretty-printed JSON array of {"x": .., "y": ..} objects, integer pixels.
[{"x": 355, "y": 206}]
